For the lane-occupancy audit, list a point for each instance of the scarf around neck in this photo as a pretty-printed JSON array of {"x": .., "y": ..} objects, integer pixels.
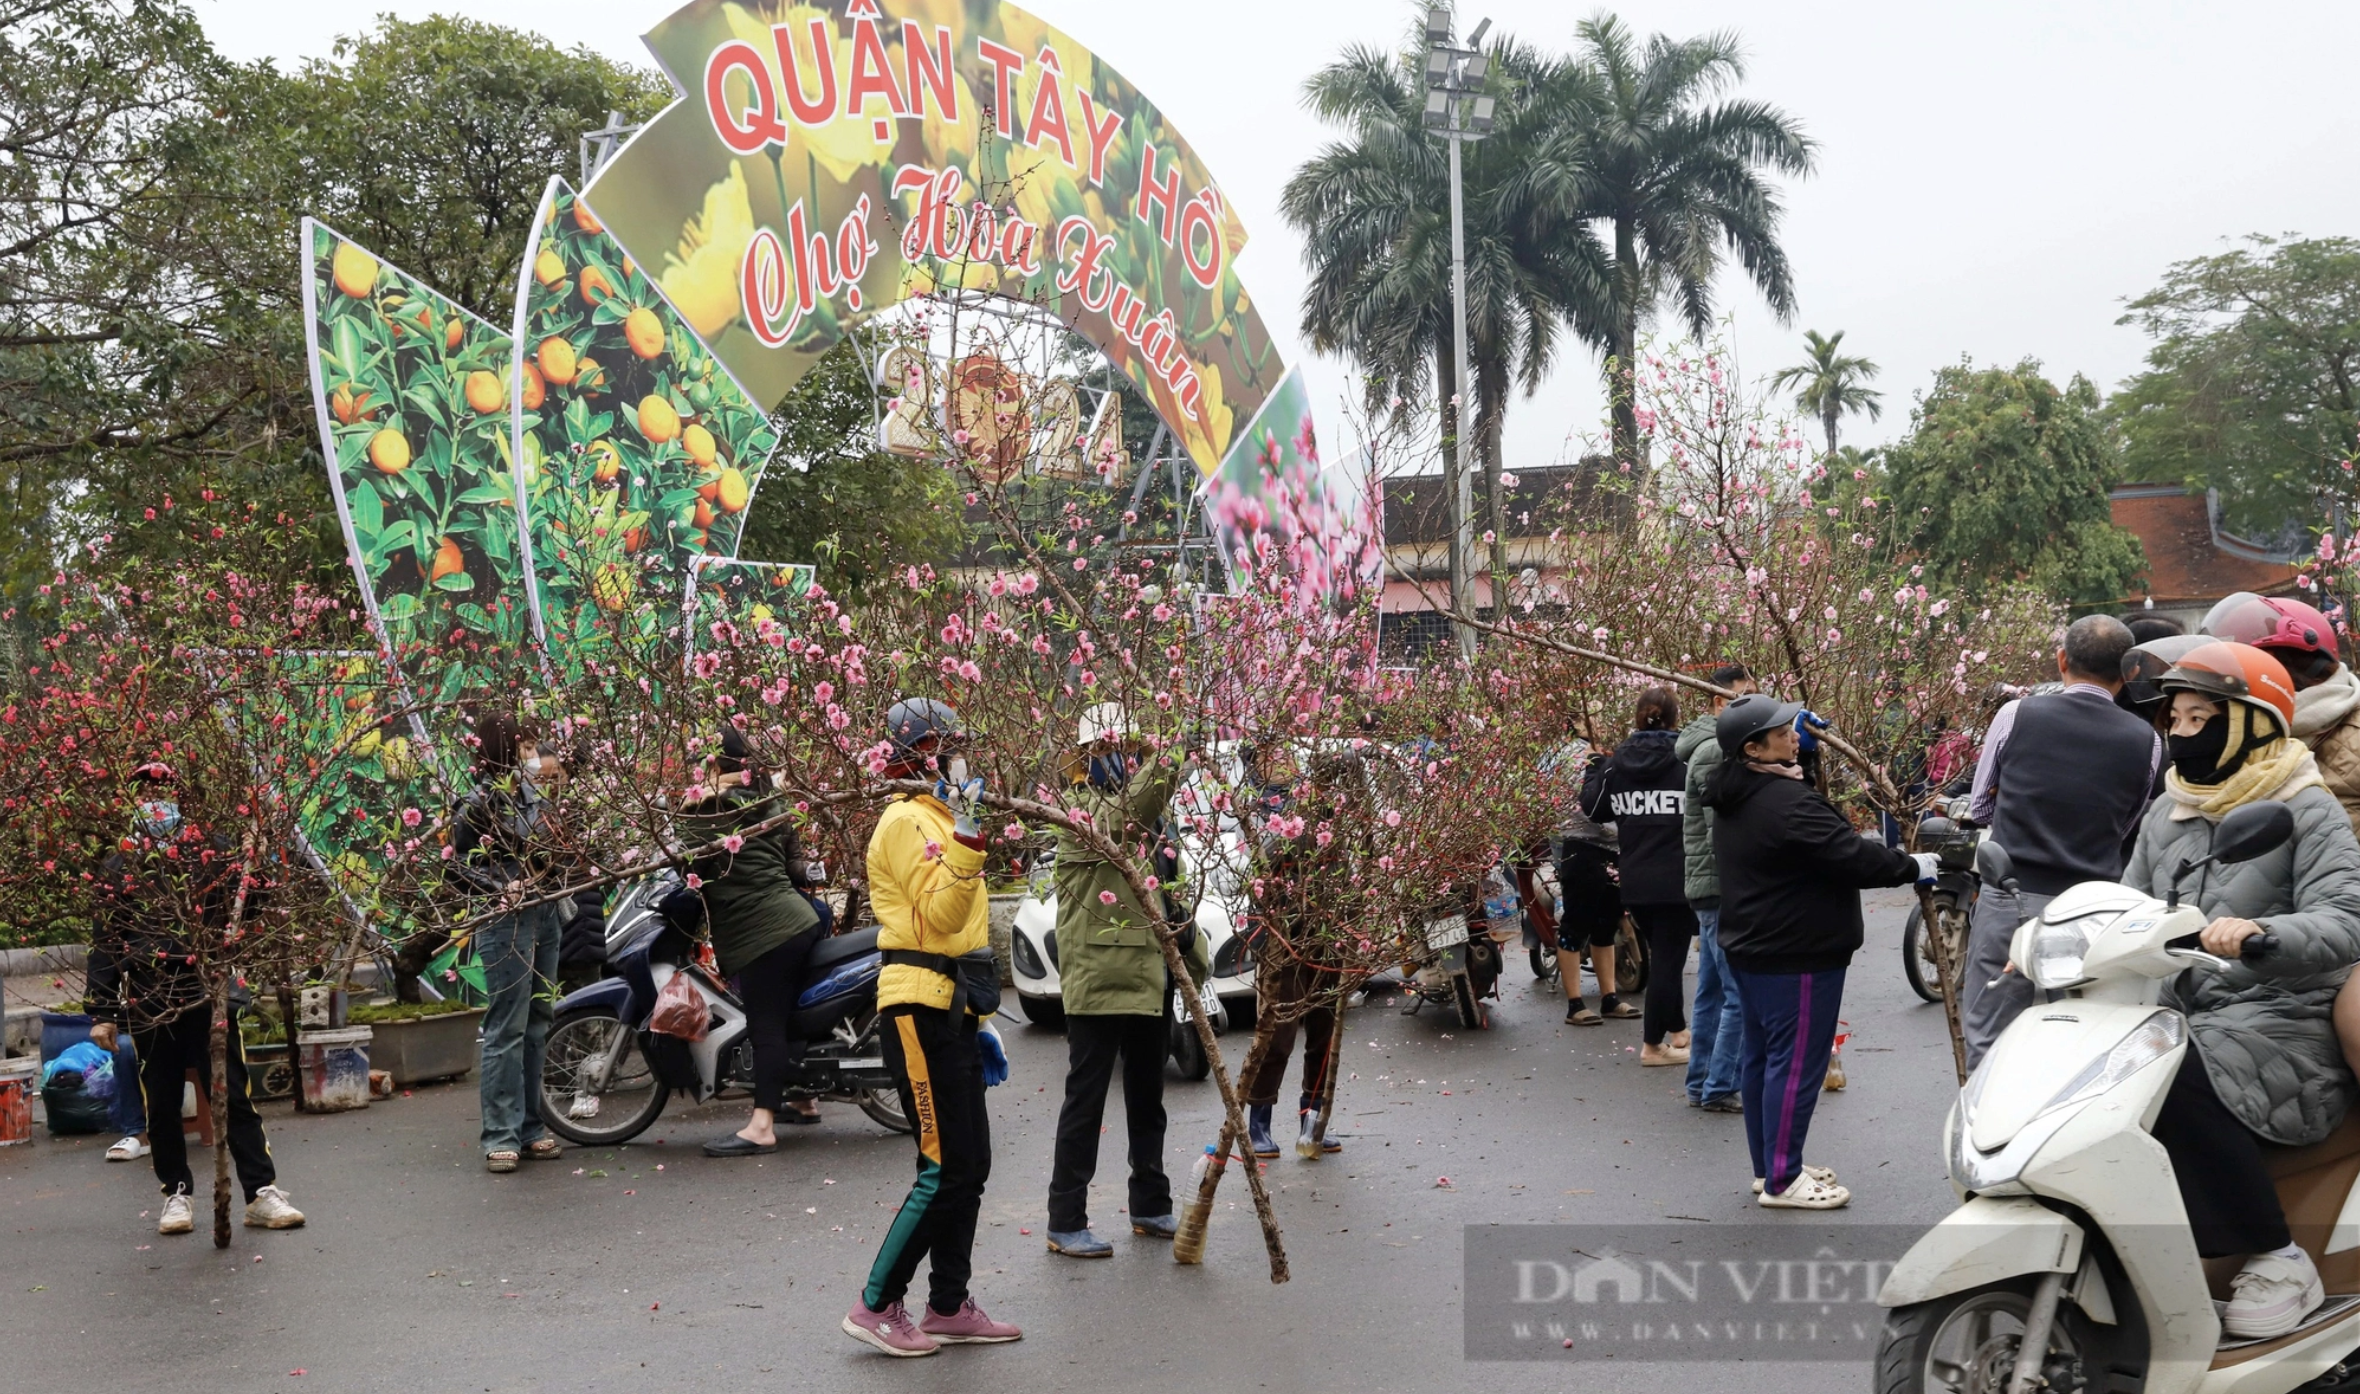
[
  {"x": 2278, "y": 771},
  {"x": 1783, "y": 769},
  {"x": 2325, "y": 706}
]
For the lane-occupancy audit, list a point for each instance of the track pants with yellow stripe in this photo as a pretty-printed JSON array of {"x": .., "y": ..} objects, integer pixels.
[{"x": 940, "y": 1073}]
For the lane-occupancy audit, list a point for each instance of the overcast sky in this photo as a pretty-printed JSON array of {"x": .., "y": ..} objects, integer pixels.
[{"x": 1995, "y": 177}]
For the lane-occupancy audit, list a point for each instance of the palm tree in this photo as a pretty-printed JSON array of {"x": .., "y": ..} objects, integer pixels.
[
  {"x": 1679, "y": 176},
  {"x": 1374, "y": 210},
  {"x": 1831, "y": 385}
]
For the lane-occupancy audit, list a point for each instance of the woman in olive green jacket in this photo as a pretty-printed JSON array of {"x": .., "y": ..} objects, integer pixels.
[
  {"x": 763, "y": 927},
  {"x": 1114, "y": 984}
]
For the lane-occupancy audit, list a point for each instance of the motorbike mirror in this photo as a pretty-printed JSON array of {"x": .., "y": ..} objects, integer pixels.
[
  {"x": 1994, "y": 865},
  {"x": 2263, "y": 826}
]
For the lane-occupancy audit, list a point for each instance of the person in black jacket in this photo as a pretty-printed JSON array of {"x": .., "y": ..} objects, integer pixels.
[
  {"x": 143, "y": 979},
  {"x": 1641, "y": 790},
  {"x": 1792, "y": 870}
]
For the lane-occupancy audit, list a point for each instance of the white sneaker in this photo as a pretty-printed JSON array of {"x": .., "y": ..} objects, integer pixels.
[
  {"x": 180, "y": 1217},
  {"x": 1807, "y": 1193},
  {"x": 130, "y": 1149},
  {"x": 2270, "y": 1296},
  {"x": 1827, "y": 1174},
  {"x": 269, "y": 1210}
]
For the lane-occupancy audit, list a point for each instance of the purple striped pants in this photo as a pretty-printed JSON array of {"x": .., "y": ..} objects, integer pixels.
[{"x": 1790, "y": 1026}]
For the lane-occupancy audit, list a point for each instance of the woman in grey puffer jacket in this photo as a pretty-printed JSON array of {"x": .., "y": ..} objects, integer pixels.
[{"x": 2263, "y": 1065}]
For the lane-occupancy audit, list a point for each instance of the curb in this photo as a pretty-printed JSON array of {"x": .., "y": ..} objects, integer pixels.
[{"x": 55, "y": 958}]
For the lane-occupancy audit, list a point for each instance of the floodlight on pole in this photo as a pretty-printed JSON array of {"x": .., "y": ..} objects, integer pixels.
[{"x": 1438, "y": 24}]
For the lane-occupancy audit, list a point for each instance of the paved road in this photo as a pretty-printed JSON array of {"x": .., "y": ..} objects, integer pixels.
[{"x": 652, "y": 1267}]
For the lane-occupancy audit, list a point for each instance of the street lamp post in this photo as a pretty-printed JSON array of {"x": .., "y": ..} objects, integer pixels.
[{"x": 1458, "y": 111}]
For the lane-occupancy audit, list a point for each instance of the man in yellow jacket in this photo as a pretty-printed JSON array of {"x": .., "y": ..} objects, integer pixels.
[{"x": 925, "y": 865}]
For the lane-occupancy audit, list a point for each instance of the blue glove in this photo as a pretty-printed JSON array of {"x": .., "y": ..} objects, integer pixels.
[
  {"x": 1807, "y": 722},
  {"x": 995, "y": 1056}
]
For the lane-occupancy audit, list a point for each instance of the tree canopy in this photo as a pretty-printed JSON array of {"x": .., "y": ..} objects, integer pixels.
[
  {"x": 2004, "y": 478},
  {"x": 2250, "y": 386},
  {"x": 151, "y": 324},
  {"x": 1830, "y": 384}
]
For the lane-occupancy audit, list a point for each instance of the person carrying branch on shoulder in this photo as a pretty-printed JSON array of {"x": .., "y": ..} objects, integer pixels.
[
  {"x": 1295, "y": 890},
  {"x": 1117, "y": 987},
  {"x": 1792, "y": 869}
]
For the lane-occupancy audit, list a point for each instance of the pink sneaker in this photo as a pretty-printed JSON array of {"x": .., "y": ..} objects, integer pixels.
[
  {"x": 967, "y": 1326},
  {"x": 890, "y": 1331}
]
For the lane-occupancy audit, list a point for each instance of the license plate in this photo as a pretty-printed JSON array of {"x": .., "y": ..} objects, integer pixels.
[{"x": 1443, "y": 934}]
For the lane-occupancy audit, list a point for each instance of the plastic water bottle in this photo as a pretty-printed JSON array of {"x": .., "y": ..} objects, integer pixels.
[
  {"x": 1188, "y": 1245},
  {"x": 1307, "y": 1141}
]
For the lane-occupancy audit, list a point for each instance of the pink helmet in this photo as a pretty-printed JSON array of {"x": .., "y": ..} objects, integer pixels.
[{"x": 2271, "y": 623}]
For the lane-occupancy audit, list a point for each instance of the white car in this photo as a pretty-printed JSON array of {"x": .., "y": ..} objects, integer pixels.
[{"x": 1229, "y": 992}]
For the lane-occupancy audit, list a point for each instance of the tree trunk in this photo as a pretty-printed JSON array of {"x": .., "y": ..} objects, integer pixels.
[
  {"x": 225, "y": 976},
  {"x": 1233, "y": 1140},
  {"x": 1827, "y": 418},
  {"x": 1233, "y": 1109},
  {"x": 1622, "y": 375},
  {"x": 219, "y": 1048}
]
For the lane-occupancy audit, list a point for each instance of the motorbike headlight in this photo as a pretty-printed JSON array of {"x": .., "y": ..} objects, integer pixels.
[
  {"x": 2147, "y": 1043},
  {"x": 2057, "y": 954}
]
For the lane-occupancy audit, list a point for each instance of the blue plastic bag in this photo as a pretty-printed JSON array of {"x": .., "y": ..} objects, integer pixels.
[{"x": 96, "y": 1067}]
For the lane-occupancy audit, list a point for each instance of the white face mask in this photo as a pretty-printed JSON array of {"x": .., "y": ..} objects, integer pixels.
[{"x": 955, "y": 773}]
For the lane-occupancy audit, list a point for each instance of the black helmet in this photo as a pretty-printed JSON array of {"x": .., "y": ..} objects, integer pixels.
[
  {"x": 736, "y": 754},
  {"x": 1749, "y": 716},
  {"x": 913, "y": 719},
  {"x": 2144, "y": 666}
]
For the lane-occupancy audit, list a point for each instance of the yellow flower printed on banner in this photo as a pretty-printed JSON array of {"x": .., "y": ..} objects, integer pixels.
[
  {"x": 701, "y": 277},
  {"x": 1207, "y": 442}
]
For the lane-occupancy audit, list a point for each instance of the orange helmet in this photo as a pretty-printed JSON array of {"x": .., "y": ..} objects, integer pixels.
[{"x": 2233, "y": 672}]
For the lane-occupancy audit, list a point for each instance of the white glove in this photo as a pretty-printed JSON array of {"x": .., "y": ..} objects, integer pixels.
[
  {"x": 963, "y": 796},
  {"x": 1927, "y": 867}
]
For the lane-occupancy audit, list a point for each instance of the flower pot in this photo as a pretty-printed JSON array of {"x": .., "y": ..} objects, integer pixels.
[
  {"x": 332, "y": 1069},
  {"x": 427, "y": 1047},
  {"x": 269, "y": 1075}
]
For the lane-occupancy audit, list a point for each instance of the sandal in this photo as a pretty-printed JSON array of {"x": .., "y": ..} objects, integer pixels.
[
  {"x": 1622, "y": 1011},
  {"x": 546, "y": 1149},
  {"x": 1807, "y": 1192},
  {"x": 499, "y": 1161},
  {"x": 1584, "y": 1017}
]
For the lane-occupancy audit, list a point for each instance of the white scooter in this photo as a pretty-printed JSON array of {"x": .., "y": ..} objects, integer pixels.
[{"x": 2069, "y": 1266}]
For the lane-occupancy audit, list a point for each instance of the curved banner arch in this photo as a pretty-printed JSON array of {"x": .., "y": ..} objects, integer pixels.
[{"x": 825, "y": 161}]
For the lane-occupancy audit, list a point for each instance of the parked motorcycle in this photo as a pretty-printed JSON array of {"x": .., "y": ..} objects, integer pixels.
[
  {"x": 1465, "y": 955},
  {"x": 607, "y": 1076},
  {"x": 2069, "y": 1265},
  {"x": 1955, "y": 889}
]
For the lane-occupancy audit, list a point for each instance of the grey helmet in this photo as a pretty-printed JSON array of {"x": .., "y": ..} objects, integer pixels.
[{"x": 913, "y": 720}]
